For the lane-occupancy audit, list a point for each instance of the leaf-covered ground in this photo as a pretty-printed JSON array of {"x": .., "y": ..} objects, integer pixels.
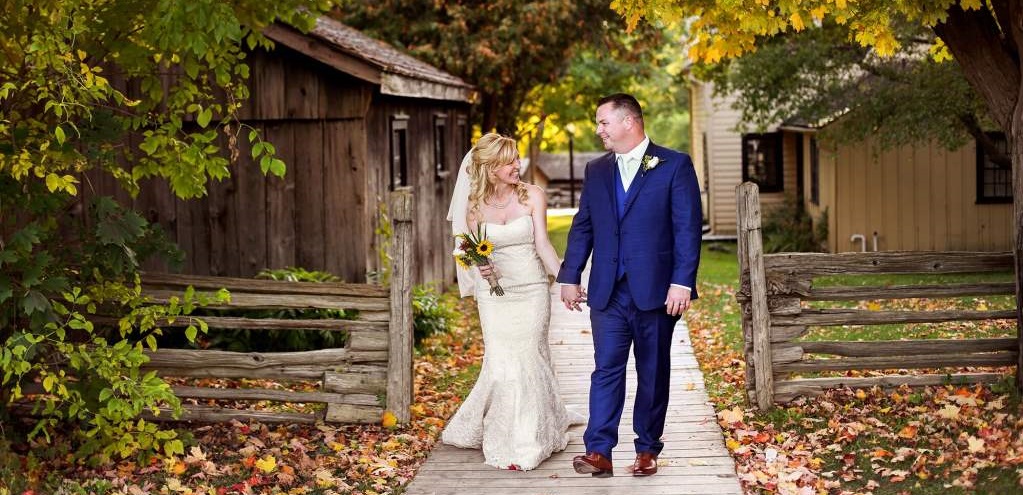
[
  {"x": 270, "y": 459},
  {"x": 946, "y": 439}
]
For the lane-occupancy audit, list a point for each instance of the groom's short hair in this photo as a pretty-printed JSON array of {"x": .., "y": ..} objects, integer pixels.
[{"x": 623, "y": 101}]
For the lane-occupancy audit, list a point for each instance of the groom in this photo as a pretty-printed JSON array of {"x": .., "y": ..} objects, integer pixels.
[{"x": 640, "y": 217}]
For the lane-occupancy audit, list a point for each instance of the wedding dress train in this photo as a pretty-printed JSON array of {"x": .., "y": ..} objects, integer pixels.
[{"x": 514, "y": 412}]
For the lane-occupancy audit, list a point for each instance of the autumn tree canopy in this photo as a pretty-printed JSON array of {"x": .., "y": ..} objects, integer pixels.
[{"x": 503, "y": 47}]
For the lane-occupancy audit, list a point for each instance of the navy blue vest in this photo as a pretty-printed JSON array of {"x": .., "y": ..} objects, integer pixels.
[{"x": 620, "y": 196}]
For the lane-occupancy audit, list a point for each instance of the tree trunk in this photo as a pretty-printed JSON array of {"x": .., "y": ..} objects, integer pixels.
[
  {"x": 988, "y": 53},
  {"x": 489, "y": 103}
]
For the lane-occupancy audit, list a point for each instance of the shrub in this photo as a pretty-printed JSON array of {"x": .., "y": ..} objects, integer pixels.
[
  {"x": 60, "y": 356},
  {"x": 245, "y": 340},
  {"x": 431, "y": 312},
  {"x": 790, "y": 228}
]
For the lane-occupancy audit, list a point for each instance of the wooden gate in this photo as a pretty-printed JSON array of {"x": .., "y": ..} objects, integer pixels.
[{"x": 774, "y": 287}]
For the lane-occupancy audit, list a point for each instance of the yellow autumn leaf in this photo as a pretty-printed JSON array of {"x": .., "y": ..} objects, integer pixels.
[
  {"x": 949, "y": 412},
  {"x": 389, "y": 420},
  {"x": 732, "y": 444},
  {"x": 419, "y": 410},
  {"x": 976, "y": 445},
  {"x": 267, "y": 464},
  {"x": 874, "y": 306},
  {"x": 970, "y": 4},
  {"x": 733, "y": 415},
  {"x": 797, "y": 21},
  {"x": 860, "y": 394}
]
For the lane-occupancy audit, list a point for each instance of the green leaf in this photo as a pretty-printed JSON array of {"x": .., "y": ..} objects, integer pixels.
[
  {"x": 257, "y": 149},
  {"x": 59, "y": 133},
  {"x": 204, "y": 117},
  {"x": 277, "y": 167},
  {"x": 35, "y": 302},
  {"x": 191, "y": 332}
]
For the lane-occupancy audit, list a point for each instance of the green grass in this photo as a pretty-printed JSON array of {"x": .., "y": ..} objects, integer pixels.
[{"x": 557, "y": 229}]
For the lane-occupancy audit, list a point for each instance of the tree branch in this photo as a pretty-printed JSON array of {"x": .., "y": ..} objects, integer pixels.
[{"x": 985, "y": 142}]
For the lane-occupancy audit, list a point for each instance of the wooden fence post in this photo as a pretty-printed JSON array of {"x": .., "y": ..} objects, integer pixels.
[
  {"x": 742, "y": 251},
  {"x": 399, "y": 359},
  {"x": 749, "y": 214}
]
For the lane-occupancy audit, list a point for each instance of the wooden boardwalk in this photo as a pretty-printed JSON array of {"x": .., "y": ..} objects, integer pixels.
[{"x": 694, "y": 460}]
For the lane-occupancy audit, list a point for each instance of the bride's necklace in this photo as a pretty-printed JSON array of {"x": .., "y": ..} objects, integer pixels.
[{"x": 501, "y": 206}]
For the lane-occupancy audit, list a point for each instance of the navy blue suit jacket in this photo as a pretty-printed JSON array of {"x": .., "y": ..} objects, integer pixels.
[{"x": 660, "y": 230}]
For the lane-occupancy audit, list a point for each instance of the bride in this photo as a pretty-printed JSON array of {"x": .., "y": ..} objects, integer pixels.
[{"x": 514, "y": 412}]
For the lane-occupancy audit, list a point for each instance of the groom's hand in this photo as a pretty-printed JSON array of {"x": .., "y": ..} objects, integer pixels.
[
  {"x": 572, "y": 296},
  {"x": 678, "y": 300}
]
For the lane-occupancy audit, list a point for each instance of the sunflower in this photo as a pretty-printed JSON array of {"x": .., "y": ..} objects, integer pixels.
[
  {"x": 485, "y": 247},
  {"x": 461, "y": 262}
]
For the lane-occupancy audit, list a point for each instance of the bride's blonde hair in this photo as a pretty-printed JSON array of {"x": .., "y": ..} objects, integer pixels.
[{"x": 492, "y": 151}]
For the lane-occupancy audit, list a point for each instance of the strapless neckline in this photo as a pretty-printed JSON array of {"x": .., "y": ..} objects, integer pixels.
[{"x": 507, "y": 223}]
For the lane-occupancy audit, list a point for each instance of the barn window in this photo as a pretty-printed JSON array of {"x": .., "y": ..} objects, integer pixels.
[
  {"x": 440, "y": 149},
  {"x": 994, "y": 180},
  {"x": 762, "y": 160},
  {"x": 815, "y": 172},
  {"x": 399, "y": 151}
]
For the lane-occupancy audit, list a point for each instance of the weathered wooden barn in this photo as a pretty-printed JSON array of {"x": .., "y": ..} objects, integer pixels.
[{"x": 353, "y": 118}]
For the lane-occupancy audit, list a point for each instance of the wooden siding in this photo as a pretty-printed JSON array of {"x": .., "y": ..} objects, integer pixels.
[
  {"x": 920, "y": 198},
  {"x": 723, "y": 151},
  {"x": 432, "y": 235}
]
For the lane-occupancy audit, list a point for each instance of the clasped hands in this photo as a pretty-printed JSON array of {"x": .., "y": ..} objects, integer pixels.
[{"x": 675, "y": 304}]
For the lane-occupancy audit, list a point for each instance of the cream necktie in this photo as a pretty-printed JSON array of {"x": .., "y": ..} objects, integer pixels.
[{"x": 627, "y": 169}]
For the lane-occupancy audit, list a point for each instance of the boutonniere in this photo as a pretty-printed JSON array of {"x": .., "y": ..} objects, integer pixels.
[{"x": 649, "y": 162}]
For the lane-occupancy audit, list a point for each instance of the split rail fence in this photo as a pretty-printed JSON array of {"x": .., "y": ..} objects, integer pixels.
[
  {"x": 774, "y": 318},
  {"x": 371, "y": 373}
]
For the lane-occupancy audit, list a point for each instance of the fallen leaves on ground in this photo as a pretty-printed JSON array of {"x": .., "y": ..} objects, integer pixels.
[
  {"x": 327, "y": 459},
  {"x": 907, "y": 440}
]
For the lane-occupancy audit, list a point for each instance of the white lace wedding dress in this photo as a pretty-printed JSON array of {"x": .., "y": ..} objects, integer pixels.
[{"x": 514, "y": 412}]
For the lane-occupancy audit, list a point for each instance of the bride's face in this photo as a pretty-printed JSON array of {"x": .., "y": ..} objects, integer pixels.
[{"x": 507, "y": 173}]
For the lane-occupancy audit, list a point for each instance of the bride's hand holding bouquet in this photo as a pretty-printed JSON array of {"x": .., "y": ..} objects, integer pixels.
[{"x": 475, "y": 250}]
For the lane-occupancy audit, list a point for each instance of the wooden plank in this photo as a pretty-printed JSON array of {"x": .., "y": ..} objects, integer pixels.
[
  {"x": 250, "y": 206},
  {"x": 786, "y": 390},
  {"x": 224, "y": 364},
  {"x": 308, "y": 172},
  {"x": 348, "y": 413},
  {"x": 344, "y": 176},
  {"x": 829, "y": 317},
  {"x": 899, "y": 362},
  {"x": 816, "y": 264},
  {"x": 749, "y": 206},
  {"x": 351, "y": 326},
  {"x": 399, "y": 368},
  {"x": 208, "y": 414},
  {"x": 786, "y": 353},
  {"x": 281, "y": 208},
  {"x": 368, "y": 341},
  {"x": 857, "y": 293},
  {"x": 356, "y": 383},
  {"x": 170, "y": 280},
  {"x": 302, "y": 83},
  {"x": 274, "y": 395},
  {"x": 786, "y": 334},
  {"x": 908, "y": 347},
  {"x": 224, "y": 218},
  {"x": 282, "y": 301}
]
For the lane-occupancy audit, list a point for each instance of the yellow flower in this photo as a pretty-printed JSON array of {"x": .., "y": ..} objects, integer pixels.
[
  {"x": 485, "y": 247},
  {"x": 461, "y": 262}
]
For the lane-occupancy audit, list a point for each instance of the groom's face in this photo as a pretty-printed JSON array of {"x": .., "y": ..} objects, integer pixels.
[{"x": 614, "y": 126}]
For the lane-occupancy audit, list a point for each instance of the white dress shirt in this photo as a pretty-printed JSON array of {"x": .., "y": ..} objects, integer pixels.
[{"x": 629, "y": 162}]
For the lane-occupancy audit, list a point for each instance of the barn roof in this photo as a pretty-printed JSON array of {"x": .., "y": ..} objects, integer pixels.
[{"x": 350, "y": 51}]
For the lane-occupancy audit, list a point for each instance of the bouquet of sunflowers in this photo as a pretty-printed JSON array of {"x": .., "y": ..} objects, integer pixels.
[{"x": 475, "y": 249}]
